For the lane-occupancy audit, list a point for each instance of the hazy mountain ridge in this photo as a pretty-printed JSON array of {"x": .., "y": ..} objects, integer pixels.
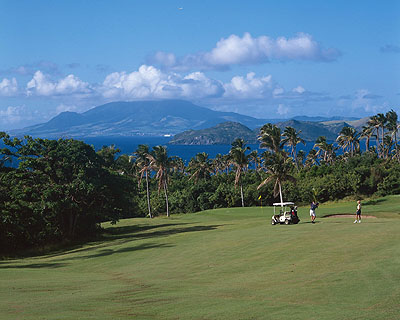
[
  {"x": 171, "y": 117},
  {"x": 136, "y": 118}
]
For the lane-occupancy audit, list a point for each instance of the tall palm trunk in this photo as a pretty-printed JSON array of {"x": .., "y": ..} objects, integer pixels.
[
  {"x": 148, "y": 195},
  {"x": 166, "y": 197},
  {"x": 378, "y": 142},
  {"x": 295, "y": 156},
  {"x": 383, "y": 145},
  {"x": 241, "y": 193},
  {"x": 280, "y": 193}
]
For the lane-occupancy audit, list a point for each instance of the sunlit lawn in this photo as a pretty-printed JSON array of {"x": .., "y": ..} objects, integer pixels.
[{"x": 219, "y": 264}]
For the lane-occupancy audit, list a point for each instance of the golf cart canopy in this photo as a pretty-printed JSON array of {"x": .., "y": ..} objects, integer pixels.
[{"x": 282, "y": 204}]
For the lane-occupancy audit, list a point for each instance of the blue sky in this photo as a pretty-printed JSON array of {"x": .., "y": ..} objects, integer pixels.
[{"x": 267, "y": 59}]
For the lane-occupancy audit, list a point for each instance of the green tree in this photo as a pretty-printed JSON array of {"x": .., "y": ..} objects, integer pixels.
[
  {"x": 326, "y": 149},
  {"x": 161, "y": 164},
  {"x": 143, "y": 163},
  {"x": 200, "y": 167},
  {"x": 279, "y": 169},
  {"x": 270, "y": 137},
  {"x": 292, "y": 139},
  {"x": 240, "y": 161},
  {"x": 348, "y": 140},
  {"x": 393, "y": 126}
]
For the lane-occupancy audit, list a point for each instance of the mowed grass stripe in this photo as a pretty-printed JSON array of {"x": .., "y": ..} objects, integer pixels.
[{"x": 218, "y": 264}]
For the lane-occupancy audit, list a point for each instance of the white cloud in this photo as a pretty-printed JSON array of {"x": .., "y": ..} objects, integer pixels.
[
  {"x": 8, "y": 87},
  {"x": 249, "y": 87},
  {"x": 246, "y": 50},
  {"x": 364, "y": 101},
  {"x": 62, "y": 108},
  {"x": 282, "y": 110},
  {"x": 299, "y": 90},
  {"x": 41, "y": 85},
  {"x": 149, "y": 82},
  {"x": 12, "y": 115}
]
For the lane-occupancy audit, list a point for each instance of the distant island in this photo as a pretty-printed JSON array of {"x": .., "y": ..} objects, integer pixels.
[
  {"x": 186, "y": 122},
  {"x": 223, "y": 133}
]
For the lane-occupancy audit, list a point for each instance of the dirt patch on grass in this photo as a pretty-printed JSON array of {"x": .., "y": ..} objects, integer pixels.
[{"x": 348, "y": 216}]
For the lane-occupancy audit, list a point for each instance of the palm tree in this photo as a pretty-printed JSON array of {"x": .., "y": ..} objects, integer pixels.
[
  {"x": 161, "y": 164},
  {"x": 381, "y": 118},
  {"x": 312, "y": 158},
  {"x": 253, "y": 157},
  {"x": 240, "y": 160},
  {"x": 200, "y": 167},
  {"x": 279, "y": 169},
  {"x": 373, "y": 122},
  {"x": 270, "y": 137},
  {"x": 327, "y": 149},
  {"x": 292, "y": 139},
  {"x": 393, "y": 126},
  {"x": 143, "y": 163},
  {"x": 387, "y": 145},
  {"x": 301, "y": 156},
  {"x": 367, "y": 133},
  {"x": 348, "y": 140},
  {"x": 178, "y": 164}
]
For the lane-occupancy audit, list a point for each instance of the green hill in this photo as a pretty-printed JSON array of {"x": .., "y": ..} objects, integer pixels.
[{"x": 223, "y": 133}]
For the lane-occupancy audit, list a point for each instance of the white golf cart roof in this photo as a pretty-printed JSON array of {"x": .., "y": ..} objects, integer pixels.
[{"x": 282, "y": 204}]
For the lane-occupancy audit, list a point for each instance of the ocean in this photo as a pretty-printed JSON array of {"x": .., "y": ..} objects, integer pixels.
[{"x": 128, "y": 145}]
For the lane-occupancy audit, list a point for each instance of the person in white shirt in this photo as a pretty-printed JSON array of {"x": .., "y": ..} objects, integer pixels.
[{"x": 358, "y": 212}]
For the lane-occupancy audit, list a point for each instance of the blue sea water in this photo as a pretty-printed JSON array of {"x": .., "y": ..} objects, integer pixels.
[{"x": 128, "y": 145}]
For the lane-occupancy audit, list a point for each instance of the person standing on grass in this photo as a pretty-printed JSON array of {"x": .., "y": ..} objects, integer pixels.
[
  {"x": 314, "y": 205},
  {"x": 358, "y": 212}
]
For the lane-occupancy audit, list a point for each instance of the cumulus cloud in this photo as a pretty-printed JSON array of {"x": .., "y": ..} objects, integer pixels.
[
  {"x": 299, "y": 90},
  {"x": 8, "y": 87},
  {"x": 12, "y": 117},
  {"x": 364, "y": 101},
  {"x": 283, "y": 110},
  {"x": 41, "y": 85},
  {"x": 63, "y": 107},
  {"x": 249, "y": 87},
  {"x": 150, "y": 82},
  {"x": 246, "y": 50}
]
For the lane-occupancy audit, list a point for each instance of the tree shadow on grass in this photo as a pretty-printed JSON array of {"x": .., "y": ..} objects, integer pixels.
[
  {"x": 107, "y": 235},
  {"x": 108, "y": 252},
  {"x": 100, "y": 253},
  {"x": 159, "y": 233},
  {"x": 48, "y": 265},
  {"x": 136, "y": 228}
]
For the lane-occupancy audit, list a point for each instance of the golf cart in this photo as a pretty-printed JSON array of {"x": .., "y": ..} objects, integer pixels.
[{"x": 287, "y": 213}]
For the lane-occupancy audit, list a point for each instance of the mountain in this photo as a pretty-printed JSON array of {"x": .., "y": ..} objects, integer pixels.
[
  {"x": 165, "y": 117},
  {"x": 323, "y": 119},
  {"x": 310, "y": 131},
  {"x": 223, "y": 133}
]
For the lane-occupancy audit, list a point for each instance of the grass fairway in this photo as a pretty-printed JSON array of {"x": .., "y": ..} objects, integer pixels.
[{"x": 219, "y": 264}]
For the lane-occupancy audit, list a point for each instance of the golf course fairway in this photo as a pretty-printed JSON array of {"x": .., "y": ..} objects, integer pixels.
[{"x": 219, "y": 264}]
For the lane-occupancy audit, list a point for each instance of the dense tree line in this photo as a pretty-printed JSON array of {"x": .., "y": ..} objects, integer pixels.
[{"x": 63, "y": 189}]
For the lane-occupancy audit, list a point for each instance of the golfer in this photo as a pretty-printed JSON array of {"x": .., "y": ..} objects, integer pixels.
[
  {"x": 358, "y": 212},
  {"x": 313, "y": 206}
]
